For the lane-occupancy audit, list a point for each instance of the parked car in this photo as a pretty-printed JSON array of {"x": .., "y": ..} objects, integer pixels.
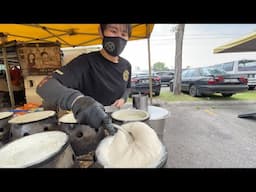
[
  {"x": 140, "y": 84},
  {"x": 206, "y": 81},
  {"x": 246, "y": 68},
  {"x": 165, "y": 76}
]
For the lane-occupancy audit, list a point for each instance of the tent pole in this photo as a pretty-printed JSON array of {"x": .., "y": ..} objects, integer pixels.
[
  {"x": 8, "y": 77},
  {"x": 149, "y": 62}
]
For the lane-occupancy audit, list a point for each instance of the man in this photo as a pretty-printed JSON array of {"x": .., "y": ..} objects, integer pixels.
[{"x": 92, "y": 80}]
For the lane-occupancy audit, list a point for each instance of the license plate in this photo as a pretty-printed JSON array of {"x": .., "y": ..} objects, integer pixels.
[
  {"x": 231, "y": 80},
  {"x": 144, "y": 81}
]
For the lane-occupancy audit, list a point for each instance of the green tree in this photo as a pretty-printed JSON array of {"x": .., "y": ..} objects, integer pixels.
[{"x": 160, "y": 66}]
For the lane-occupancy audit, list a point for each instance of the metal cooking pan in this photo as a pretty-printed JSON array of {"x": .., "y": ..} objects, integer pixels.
[
  {"x": 129, "y": 115},
  {"x": 5, "y": 127},
  {"x": 32, "y": 123}
]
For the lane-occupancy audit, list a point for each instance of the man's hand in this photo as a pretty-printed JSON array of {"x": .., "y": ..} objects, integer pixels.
[
  {"x": 119, "y": 103},
  {"x": 88, "y": 111}
]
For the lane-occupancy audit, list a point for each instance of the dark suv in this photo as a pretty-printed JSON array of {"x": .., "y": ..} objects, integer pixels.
[
  {"x": 165, "y": 76},
  {"x": 140, "y": 84}
]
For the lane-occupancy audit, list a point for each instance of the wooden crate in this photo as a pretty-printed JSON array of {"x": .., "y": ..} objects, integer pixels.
[{"x": 39, "y": 58}]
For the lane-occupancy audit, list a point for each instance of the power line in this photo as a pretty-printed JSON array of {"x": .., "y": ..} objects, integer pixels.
[{"x": 190, "y": 38}]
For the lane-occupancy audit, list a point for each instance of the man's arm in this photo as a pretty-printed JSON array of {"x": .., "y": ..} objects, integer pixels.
[
  {"x": 54, "y": 93},
  {"x": 85, "y": 109},
  {"x": 126, "y": 94},
  {"x": 120, "y": 102}
]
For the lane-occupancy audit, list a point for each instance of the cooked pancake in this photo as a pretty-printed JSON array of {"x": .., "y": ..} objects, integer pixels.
[
  {"x": 4, "y": 115},
  {"x": 68, "y": 118},
  {"x": 31, "y": 117}
]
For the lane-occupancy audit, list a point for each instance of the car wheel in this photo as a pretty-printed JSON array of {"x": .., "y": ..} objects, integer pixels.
[
  {"x": 251, "y": 87},
  {"x": 226, "y": 94},
  {"x": 157, "y": 93},
  {"x": 193, "y": 91}
]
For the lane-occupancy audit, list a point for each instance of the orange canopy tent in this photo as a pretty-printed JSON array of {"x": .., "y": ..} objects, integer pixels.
[
  {"x": 243, "y": 44},
  {"x": 67, "y": 35}
]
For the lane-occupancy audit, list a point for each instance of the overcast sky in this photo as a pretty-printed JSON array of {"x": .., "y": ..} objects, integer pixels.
[{"x": 199, "y": 42}]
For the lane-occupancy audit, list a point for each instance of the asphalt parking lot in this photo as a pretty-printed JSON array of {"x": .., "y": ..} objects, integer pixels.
[{"x": 210, "y": 135}]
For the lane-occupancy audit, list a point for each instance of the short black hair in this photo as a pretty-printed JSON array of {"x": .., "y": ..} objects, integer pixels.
[{"x": 128, "y": 26}]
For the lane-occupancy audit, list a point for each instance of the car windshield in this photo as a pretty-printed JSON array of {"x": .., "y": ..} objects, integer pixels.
[
  {"x": 163, "y": 73},
  {"x": 142, "y": 74},
  {"x": 211, "y": 71}
]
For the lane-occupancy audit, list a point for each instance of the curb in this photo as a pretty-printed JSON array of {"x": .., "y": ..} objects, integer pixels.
[{"x": 191, "y": 103}]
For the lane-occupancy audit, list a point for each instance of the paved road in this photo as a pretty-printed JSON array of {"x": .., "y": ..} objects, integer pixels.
[{"x": 210, "y": 135}]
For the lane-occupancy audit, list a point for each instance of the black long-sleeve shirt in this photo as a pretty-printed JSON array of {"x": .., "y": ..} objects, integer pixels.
[{"x": 95, "y": 76}]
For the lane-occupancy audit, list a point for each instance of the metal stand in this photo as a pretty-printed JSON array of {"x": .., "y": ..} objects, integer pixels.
[{"x": 8, "y": 77}]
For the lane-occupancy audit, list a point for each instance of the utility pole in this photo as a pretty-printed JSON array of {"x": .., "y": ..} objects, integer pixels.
[{"x": 178, "y": 59}]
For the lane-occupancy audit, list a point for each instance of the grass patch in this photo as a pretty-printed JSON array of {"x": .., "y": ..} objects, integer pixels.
[
  {"x": 250, "y": 95},
  {"x": 168, "y": 96}
]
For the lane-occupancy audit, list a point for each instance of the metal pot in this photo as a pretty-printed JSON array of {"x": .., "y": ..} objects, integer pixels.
[
  {"x": 129, "y": 115},
  {"x": 5, "y": 127},
  {"x": 157, "y": 120},
  {"x": 24, "y": 125},
  {"x": 140, "y": 102},
  {"x": 49, "y": 149},
  {"x": 83, "y": 138},
  {"x": 162, "y": 163}
]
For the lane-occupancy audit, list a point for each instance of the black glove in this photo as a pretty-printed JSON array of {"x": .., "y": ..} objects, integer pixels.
[
  {"x": 107, "y": 123},
  {"x": 88, "y": 111}
]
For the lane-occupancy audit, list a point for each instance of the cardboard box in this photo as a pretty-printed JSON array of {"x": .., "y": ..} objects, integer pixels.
[
  {"x": 30, "y": 83},
  {"x": 32, "y": 96},
  {"x": 33, "y": 81}
]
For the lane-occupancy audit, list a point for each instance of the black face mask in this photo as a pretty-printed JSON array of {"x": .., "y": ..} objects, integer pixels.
[{"x": 114, "y": 45}]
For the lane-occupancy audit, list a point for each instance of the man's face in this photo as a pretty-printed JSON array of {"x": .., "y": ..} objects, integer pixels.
[{"x": 117, "y": 30}]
